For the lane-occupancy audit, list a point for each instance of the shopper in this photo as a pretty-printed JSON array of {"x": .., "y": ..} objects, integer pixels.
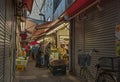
[
  {"x": 39, "y": 56},
  {"x": 47, "y": 54},
  {"x": 34, "y": 51}
]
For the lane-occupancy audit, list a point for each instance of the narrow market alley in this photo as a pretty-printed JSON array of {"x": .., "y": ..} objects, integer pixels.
[
  {"x": 59, "y": 40},
  {"x": 33, "y": 74}
]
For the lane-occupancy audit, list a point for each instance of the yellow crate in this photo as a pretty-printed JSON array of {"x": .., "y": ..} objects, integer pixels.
[
  {"x": 20, "y": 67},
  {"x": 18, "y": 62}
]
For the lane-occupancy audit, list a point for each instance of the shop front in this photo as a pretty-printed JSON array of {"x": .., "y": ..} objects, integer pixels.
[
  {"x": 56, "y": 43},
  {"x": 94, "y": 28}
]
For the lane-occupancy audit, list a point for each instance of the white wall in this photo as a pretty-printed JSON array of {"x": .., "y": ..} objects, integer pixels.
[{"x": 63, "y": 32}]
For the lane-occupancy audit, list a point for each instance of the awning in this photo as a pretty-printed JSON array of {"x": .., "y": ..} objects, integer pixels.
[
  {"x": 29, "y": 26},
  {"x": 42, "y": 28},
  {"x": 35, "y": 20},
  {"x": 76, "y": 7},
  {"x": 28, "y": 4},
  {"x": 39, "y": 32},
  {"x": 48, "y": 24}
]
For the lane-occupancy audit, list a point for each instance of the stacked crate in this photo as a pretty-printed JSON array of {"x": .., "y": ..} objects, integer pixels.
[{"x": 20, "y": 65}]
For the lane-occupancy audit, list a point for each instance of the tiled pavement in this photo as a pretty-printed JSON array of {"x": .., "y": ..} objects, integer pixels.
[{"x": 33, "y": 74}]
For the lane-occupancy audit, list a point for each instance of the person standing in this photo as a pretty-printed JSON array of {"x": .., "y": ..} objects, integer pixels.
[
  {"x": 47, "y": 54},
  {"x": 39, "y": 56},
  {"x": 34, "y": 51}
]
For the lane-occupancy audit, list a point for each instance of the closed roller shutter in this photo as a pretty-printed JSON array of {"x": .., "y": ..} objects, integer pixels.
[
  {"x": 5, "y": 32},
  {"x": 100, "y": 31},
  {"x": 2, "y": 47},
  {"x": 7, "y": 56}
]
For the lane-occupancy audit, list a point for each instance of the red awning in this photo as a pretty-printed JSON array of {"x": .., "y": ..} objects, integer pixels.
[
  {"x": 76, "y": 6},
  {"x": 39, "y": 32},
  {"x": 33, "y": 43},
  {"x": 28, "y": 4},
  {"x": 42, "y": 28}
]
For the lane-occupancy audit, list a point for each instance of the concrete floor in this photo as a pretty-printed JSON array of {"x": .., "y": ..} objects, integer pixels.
[{"x": 33, "y": 74}]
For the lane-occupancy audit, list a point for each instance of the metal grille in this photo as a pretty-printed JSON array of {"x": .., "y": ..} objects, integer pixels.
[
  {"x": 100, "y": 31},
  {"x": 2, "y": 40},
  {"x": 6, "y": 21}
]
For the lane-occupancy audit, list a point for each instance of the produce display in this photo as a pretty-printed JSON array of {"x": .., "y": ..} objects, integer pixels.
[{"x": 57, "y": 64}]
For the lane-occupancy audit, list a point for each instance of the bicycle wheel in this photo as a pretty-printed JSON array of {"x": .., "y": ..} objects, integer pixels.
[
  {"x": 105, "y": 77},
  {"x": 83, "y": 75},
  {"x": 90, "y": 77}
]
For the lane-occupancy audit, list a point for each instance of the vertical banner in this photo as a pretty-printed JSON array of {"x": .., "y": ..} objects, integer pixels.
[{"x": 117, "y": 35}]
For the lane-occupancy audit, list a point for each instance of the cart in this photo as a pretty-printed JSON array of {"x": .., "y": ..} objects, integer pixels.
[{"x": 57, "y": 67}]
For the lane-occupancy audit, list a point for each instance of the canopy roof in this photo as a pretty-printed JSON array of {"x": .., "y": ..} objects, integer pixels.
[{"x": 76, "y": 6}]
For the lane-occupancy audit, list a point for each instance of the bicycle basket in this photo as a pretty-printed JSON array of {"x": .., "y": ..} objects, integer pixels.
[
  {"x": 109, "y": 63},
  {"x": 84, "y": 59}
]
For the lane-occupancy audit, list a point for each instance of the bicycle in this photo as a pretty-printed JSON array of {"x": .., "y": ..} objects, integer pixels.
[
  {"x": 84, "y": 61},
  {"x": 106, "y": 69}
]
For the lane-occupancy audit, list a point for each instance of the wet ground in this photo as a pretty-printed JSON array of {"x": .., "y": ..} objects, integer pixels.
[{"x": 33, "y": 74}]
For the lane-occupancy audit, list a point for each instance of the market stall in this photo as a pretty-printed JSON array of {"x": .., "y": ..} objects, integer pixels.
[
  {"x": 21, "y": 60},
  {"x": 56, "y": 65}
]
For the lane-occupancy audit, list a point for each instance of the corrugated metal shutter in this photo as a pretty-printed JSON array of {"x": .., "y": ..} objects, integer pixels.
[
  {"x": 2, "y": 40},
  {"x": 100, "y": 31},
  {"x": 5, "y": 19},
  {"x": 1, "y": 48},
  {"x": 7, "y": 56}
]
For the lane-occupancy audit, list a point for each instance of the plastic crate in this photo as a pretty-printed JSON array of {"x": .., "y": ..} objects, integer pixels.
[
  {"x": 20, "y": 67},
  {"x": 109, "y": 63},
  {"x": 21, "y": 62}
]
